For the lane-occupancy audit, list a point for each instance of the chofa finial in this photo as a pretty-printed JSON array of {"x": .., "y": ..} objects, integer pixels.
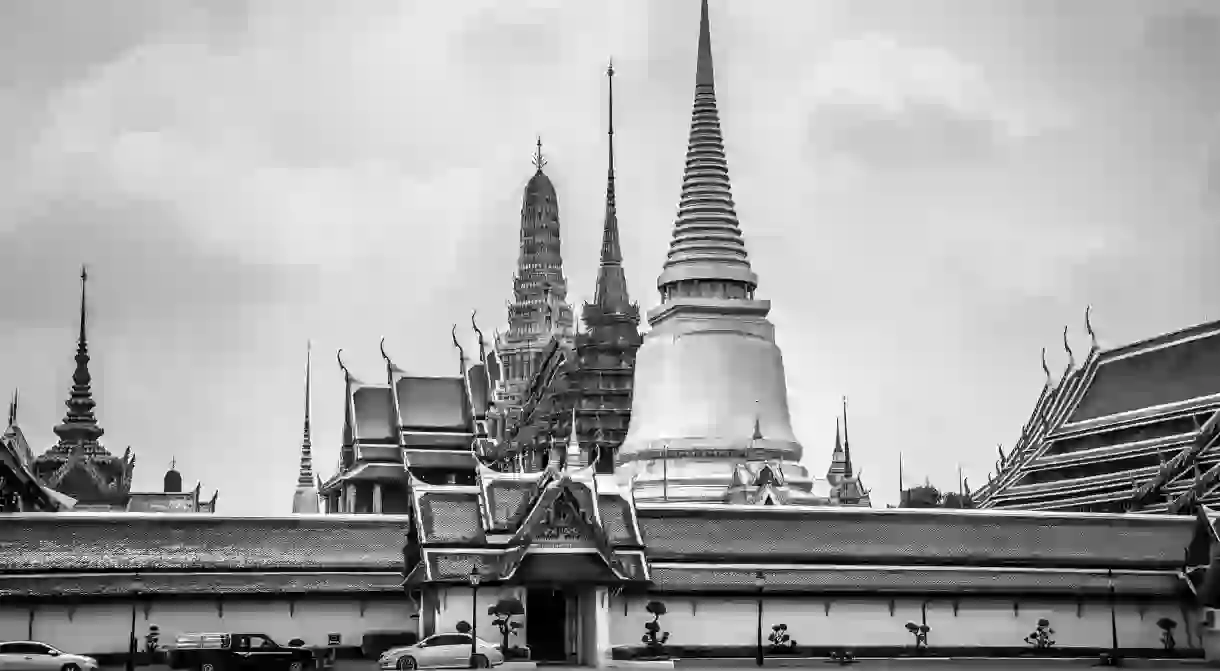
[
  {"x": 381, "y": 346},
  {"x": 1088, "y": 326},
  {"x": 1067, "y": 347},
  {"x": 342, "y": 366},
  {"x": 1046, "y": 369}
]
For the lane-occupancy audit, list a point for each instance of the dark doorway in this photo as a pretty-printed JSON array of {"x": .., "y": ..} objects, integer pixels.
[{"x": 546, "y": 624}]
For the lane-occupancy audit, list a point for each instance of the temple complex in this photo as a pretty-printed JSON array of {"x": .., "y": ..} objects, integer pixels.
[
  {"x": 1133, "y": 428},
  {"x": 692, "y": 530}
]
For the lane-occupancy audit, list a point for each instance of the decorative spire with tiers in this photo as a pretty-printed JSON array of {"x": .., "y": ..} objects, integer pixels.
[
  {"x": 305, "y": 499},
  {"x": 711, "y": 351},
  {"x": 80, "y": 426},
  {"x": 707, "y": 246},
  {"x": 539, "y": 310},
  {"x": 611, "y": 302},
  {"x": 78, "y": 465}
]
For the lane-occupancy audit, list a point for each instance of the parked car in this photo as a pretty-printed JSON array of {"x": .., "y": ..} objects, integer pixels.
[
  {"x": 442, "y": 651},
  {"x": 237, "y": 652},
  {"x": 34, "y": 656}
]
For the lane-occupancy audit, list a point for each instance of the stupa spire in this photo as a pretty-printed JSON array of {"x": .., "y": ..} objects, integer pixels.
[
  {"x": 305, "y": 499},
  {"x": 847, "y": 469},
  {"x": 611, "y": 302},
  {"x": 707, "y": 244},
  {"x": 12, "y": 409},
  {"x": 305, "y": 478},
  {"x": 80, "y": 424}
]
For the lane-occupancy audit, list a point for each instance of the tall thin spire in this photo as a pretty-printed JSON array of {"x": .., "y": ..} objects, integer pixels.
[
  {"x": 305, "y": 498},
  {"x": 12, "y": 409},
  {"x": 80, "y": 424},
  {"x": 611, "y": 302},
  {"x": 305, "y": 478},
  {"x": 707, "y": 244},
  {"x": 847, "y": 469}
]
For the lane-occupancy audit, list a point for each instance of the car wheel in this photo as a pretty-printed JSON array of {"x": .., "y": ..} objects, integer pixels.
[
  {"x": 407, "y": 663},
  {"x": 207, "y": 667},
  {"x": 70, "y": 667},
  {"x": 295, "y": 666},
  {"x": 479, "y": 662}
]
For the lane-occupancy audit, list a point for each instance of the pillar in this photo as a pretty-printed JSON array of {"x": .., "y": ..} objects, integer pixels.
[
  {"x": 376, "y": 498},
  {"x": 350, "y": 504},
  {"x": 598, "y": 628}
]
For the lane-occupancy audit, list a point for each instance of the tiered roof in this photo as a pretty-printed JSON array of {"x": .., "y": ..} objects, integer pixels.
[
  {"x": 495, "y": 526},
  {"x": 1125, "y": 429}
]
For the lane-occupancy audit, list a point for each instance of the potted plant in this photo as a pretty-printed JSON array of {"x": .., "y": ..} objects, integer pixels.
[
  {"x": 654, "y": 639},
  {"x": 920, "y": 632},
  {"x": 502, "y": 616},
  {"x": 781, "y": 642},
  {"x": 1040, "y": 638},
  {"x": 1167, "y": 626}
]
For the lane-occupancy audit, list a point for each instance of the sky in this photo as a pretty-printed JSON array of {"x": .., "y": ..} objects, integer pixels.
[{"x": 929, "y": 193}]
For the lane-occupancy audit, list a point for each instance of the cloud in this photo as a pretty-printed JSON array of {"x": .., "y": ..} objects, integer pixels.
[{"x": 889, "y": 106}]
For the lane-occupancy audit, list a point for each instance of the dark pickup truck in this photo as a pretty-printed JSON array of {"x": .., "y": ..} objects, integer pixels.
[{"x": 237, "y": 652}]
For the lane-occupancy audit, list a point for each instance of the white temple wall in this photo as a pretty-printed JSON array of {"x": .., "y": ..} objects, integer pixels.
[
  {"x": 849, "y": 622},
  {"x": 104, "y": 627},
  {"x": 454, "y": 605}
]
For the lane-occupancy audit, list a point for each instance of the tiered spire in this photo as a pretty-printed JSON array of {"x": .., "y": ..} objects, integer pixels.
[
  {"x": 305, "y": 499},
  {"x": 305, "y": 478},
  {"x": 847, "y": 468},
  {"x": 707, "y": 245},
  {"x": 80, "y": 425},
  {"x": 611, "y": 301},
  {"x": 12, "y": 410}
]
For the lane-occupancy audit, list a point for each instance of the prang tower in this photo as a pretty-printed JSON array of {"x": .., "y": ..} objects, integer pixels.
[
  {"x": 539, "y": 309},
  {"x": 709, "y": 393}
]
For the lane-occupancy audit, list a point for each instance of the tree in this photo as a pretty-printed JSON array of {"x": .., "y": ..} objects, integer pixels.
[
  {"x": 503, "y": 612},
  {"x": 955, "y": 500},
  {"x": 923, "y": 496},
  {"x": 654, "y": 638}
]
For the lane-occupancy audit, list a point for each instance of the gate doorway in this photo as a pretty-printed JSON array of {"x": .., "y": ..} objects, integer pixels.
[{"x": 546, "y": 628}]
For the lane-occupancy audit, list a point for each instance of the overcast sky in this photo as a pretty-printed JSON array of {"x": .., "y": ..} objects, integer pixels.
[{"x": 929, "y": 192}]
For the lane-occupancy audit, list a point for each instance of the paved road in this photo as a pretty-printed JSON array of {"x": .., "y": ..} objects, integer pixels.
[{"x": 862, "y": 665}]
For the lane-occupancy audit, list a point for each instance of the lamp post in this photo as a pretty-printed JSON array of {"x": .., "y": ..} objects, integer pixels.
[
  {"x": 759, "y": 581},
  {"x": 474, "y": 612},
  {"x": 1114, "y": 658},
  {"x": 132, "y": 646}
]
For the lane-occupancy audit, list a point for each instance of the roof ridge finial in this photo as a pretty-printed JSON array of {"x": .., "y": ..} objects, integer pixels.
[
  {"x": 1088, "y": 327},
  {"x": 461, "y": 351},
  {"x": 1045, "y": 368},
  {"x": 1068, "y": 348},
  {"x": 539, "y": 160},
  {"x": 347, "y": 374},
  {"x": 12, "y": 408}
]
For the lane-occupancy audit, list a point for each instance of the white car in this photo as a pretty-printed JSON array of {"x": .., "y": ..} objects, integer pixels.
[
  {"x": 34, "y": 656},
  {"x": 442, "y": 651}
]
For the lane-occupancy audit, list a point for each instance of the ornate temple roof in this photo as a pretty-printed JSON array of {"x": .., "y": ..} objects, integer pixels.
[
  {"x": 78, "y": 465},
  {"x": 1109, "y": 419}
]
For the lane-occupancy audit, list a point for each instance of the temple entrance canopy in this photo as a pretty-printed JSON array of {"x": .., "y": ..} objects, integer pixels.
[{"x": 560, "y": 526}]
